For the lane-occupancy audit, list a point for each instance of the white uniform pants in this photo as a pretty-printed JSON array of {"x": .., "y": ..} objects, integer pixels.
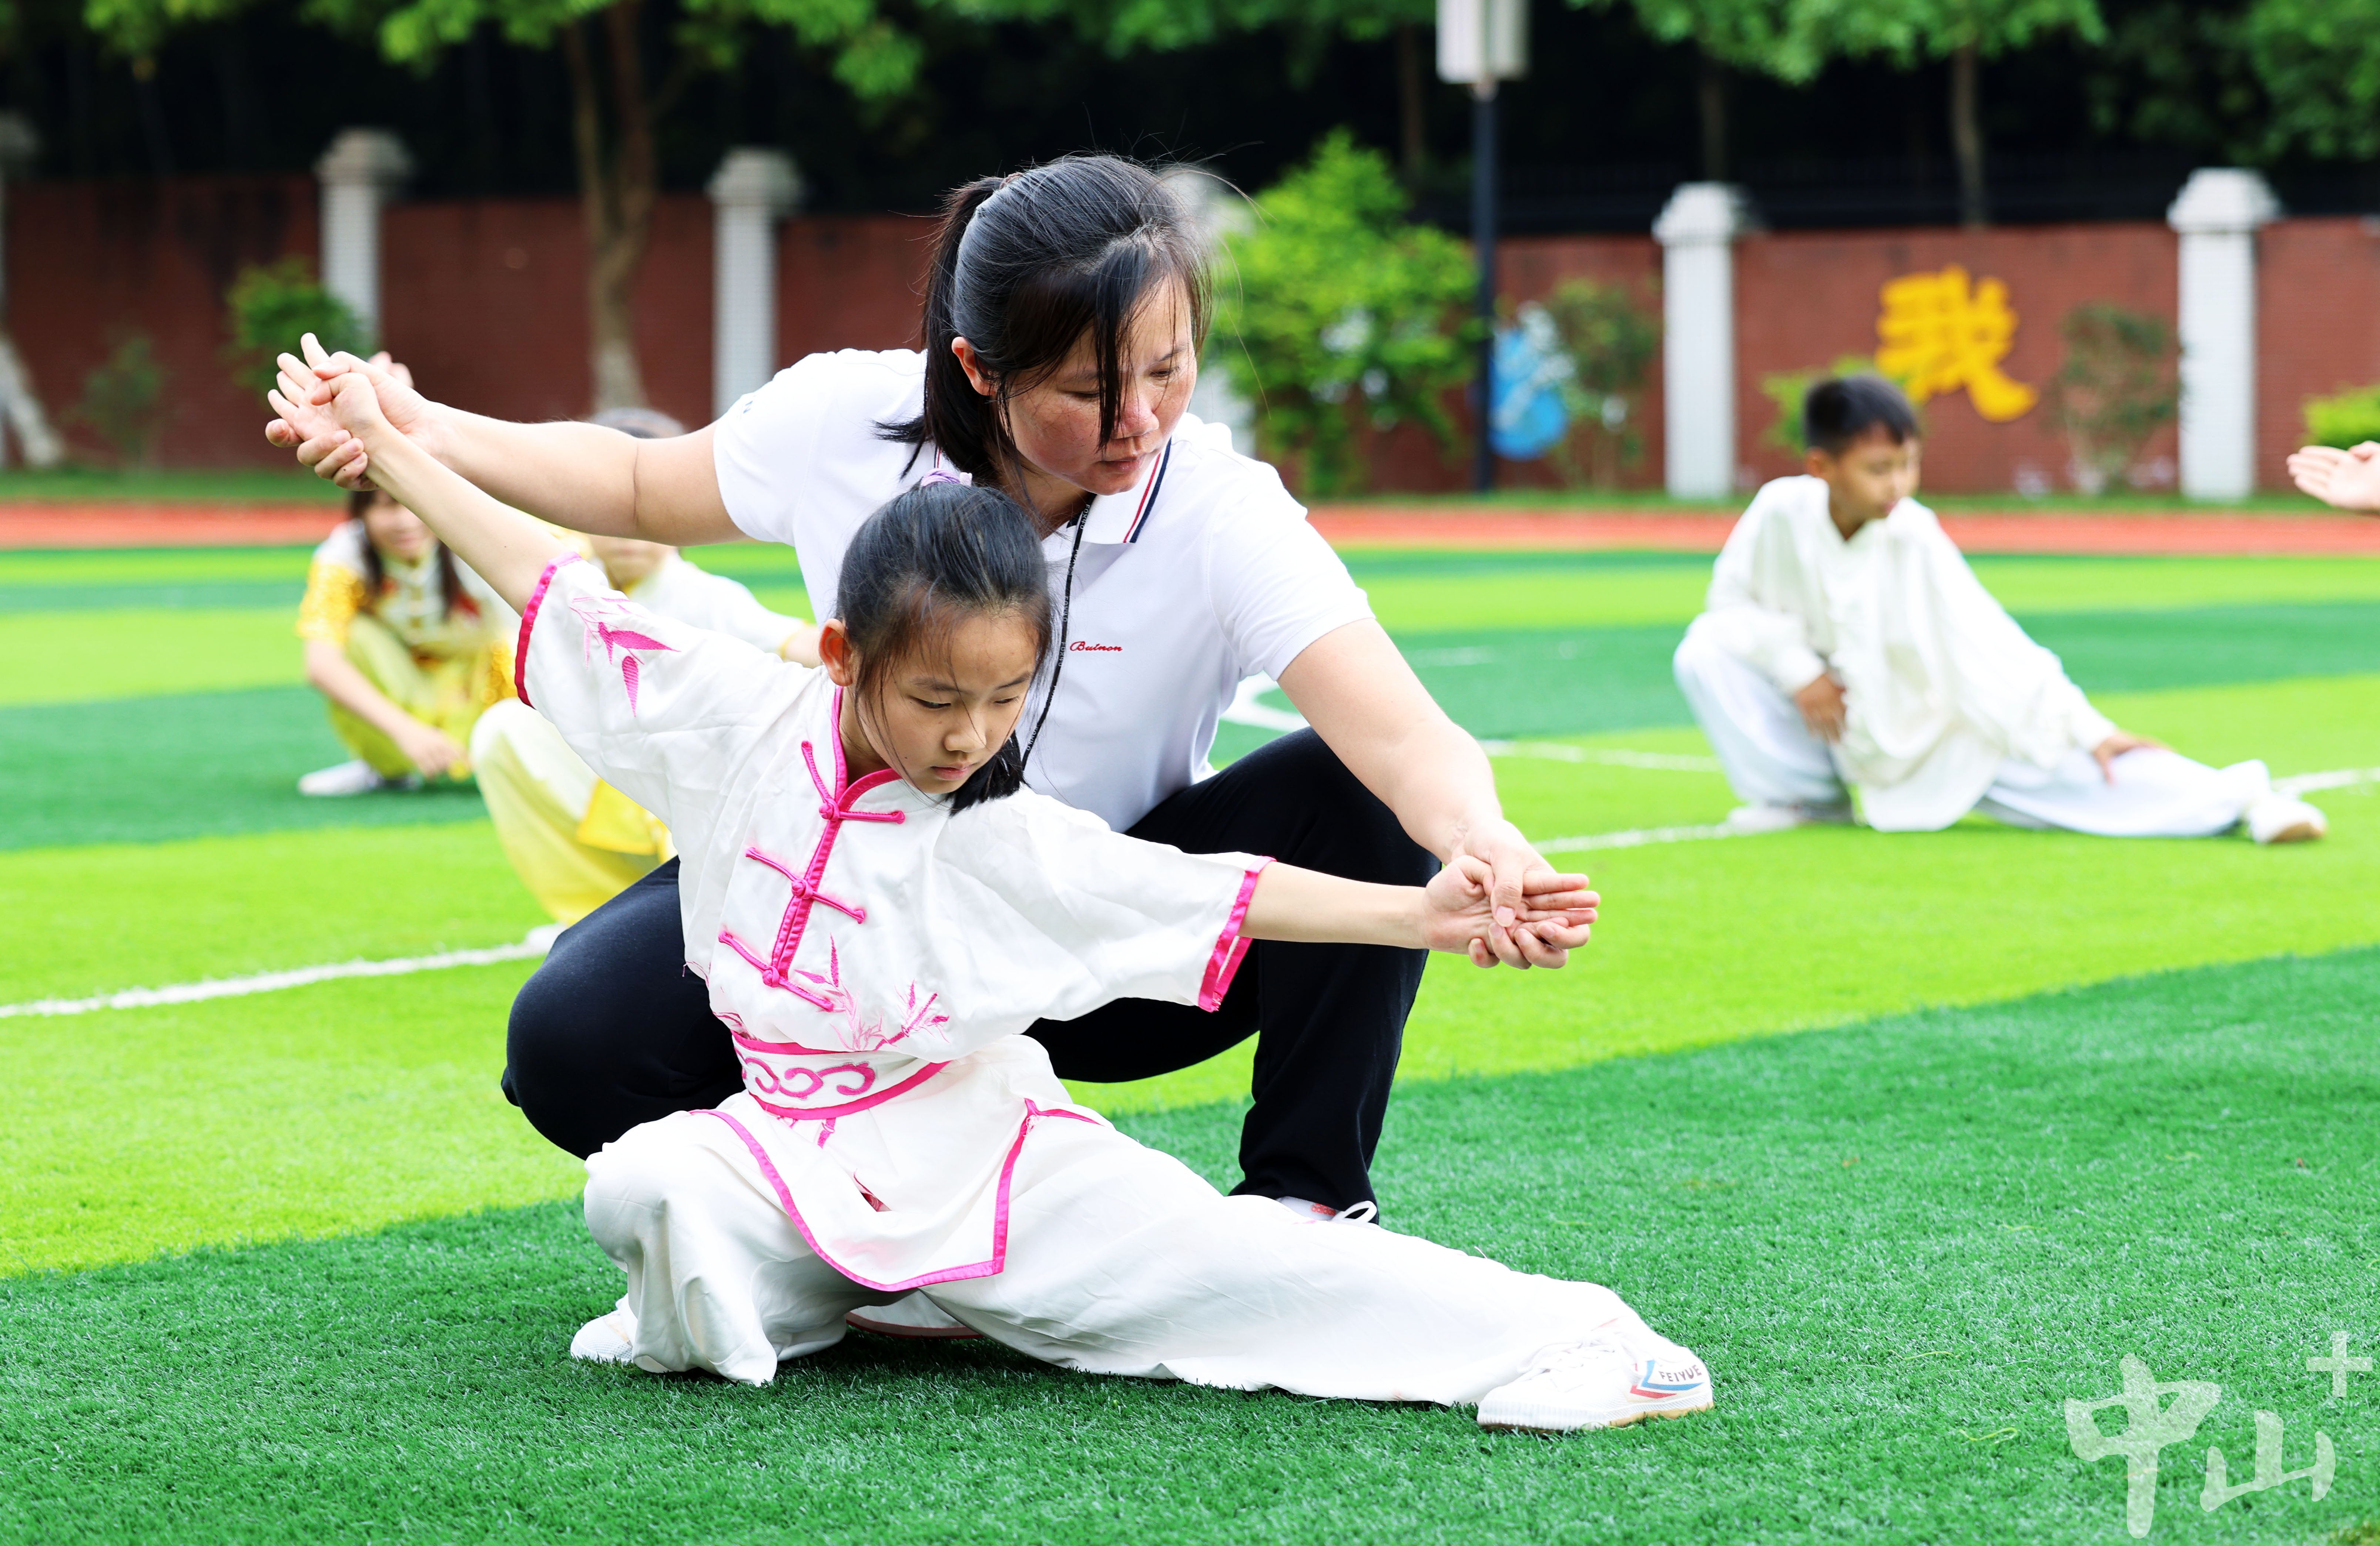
[
  {"x": 1120, "y": 1262},
  {"x": 1771, "y": 758}
]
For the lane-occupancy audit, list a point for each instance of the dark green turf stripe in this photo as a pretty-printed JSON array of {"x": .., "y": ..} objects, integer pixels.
[
  {"x": 143, "y": 769},
  {"x": 1558, "y": 681},
  {"x": 1901, "y": 1245}
]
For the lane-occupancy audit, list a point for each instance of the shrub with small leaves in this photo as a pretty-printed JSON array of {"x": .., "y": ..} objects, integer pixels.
[
  {"x": 2349, "y": 417},
  {"x": 124, "y": 402},
  {"x": 1611, "y": 339},
  {"x": 1342, "y": 320},
  {"x": 2115, "y": 390},
  {"x": 270, "y": 306}
]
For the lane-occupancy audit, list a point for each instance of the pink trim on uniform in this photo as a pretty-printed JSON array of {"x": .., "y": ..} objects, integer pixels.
[
  {"x": 528, "y": 621},
  {"x": 999, "y": 1259},
  {"x": 1231, "y": 948},
  {"x": 849, "y": 1108}
]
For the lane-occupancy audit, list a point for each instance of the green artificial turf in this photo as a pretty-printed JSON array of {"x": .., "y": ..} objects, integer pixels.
[
  {"x": 63, "y": 656},
  {"x": 142, "y": 770},
  {"x": 1901, "y": 1245},
  {"x": 332, "y": 1108},
  {"x": 108, "y": 917}
]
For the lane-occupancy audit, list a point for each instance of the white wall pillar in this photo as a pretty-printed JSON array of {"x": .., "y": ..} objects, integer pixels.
[
  {"x": 2217, "y": 215},
  {"x": 359, "y": 173},
  {"x": 1697, "y": 232},
  {"x": 752, "y": 190}
]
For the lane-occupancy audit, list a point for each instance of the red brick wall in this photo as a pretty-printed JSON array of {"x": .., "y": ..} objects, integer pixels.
[
  {"x": 91, "y": 262},
  {"x": 2317, "y": 325},
  {"x": 1802, "y": 298},
  {"x": 486, "y": 300}
]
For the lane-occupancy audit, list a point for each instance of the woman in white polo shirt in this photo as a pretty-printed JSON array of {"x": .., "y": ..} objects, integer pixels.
[{"x": 1063, "y": 316}]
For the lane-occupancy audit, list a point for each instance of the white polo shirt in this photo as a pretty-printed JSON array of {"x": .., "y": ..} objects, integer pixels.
[{"x": 1204, "y": 575}]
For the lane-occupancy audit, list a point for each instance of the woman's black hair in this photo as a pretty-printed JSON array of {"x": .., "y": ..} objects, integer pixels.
[
  {"x": 450, "y": 584},
  {"x": 1024, "y": 267},
  {"x": 940, "y": 553}
]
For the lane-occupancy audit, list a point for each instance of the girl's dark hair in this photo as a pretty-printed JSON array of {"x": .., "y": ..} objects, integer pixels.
[
  {"x": 934, "y": 557},
  {"x": 449, "y": 585},
  {"x": 1025, "y": 266}
]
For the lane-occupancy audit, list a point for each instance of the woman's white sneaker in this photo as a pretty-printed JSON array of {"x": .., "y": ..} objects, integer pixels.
[{"x": 1596, "y": 1383}]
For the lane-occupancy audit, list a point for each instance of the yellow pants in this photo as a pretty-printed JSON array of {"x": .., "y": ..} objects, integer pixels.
[
  {"x": 575, "y": 840},
  {"x": 449, "y": 695}
]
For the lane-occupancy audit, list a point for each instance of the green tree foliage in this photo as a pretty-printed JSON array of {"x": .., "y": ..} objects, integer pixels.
[
  {"x": 270, "y": 306},
  {"x": 2319, "y": 62},
  {"x": 614, "y": 107},
  {"x": 1342, "y": 320},
  {"x": 2115, "y": 389},
  {"x": 1612, "y": 340}
]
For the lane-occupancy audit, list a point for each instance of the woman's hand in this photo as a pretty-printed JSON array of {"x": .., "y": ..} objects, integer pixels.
[
  {"x": 309, "y": 426},
  {"x": 1458, "y": 912},
  {"x": 428, "y": 747},
  {"x": 1524, "y": 886}
]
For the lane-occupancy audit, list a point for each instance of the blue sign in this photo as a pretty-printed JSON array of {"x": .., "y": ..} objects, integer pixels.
[{"x": 1530, "y": 416}]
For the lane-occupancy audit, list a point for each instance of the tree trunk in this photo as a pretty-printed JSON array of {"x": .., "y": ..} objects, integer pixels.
[
  {"x": 1967, "y": 135},
  {"x": 1711, "y": 92},
  {"x": 1410, "y": 100},
  {"x": 617, "y": 186}
]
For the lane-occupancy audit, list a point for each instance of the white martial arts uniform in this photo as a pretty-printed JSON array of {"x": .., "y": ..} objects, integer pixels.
[
  {"x": 1950, "y": 707},
  {"x": 876, "y": 959},
  {"x": 575, "y": 842}
]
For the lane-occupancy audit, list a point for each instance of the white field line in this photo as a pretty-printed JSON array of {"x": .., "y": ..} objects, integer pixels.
[
  {"x": 273, "y": 981},
  {"x": 270, "y": 982},
  {"x": 2342, "y": 778},
  {"x": 1557, "y": 751}
]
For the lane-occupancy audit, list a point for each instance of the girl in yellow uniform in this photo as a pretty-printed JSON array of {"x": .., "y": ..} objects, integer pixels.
[{"x": 408, "y": 644}]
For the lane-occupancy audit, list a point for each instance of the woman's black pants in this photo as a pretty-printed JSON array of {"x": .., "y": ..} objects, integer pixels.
[{"x": 613, "y": 1030}]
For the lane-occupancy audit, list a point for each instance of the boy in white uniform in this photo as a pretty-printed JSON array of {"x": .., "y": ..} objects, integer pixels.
[
  {"x": 1847, "y": 645},
  {"x": 575, "y": 840}
]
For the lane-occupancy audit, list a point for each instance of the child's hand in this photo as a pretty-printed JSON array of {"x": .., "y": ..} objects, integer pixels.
[
  {"x": 430, "y": 749},
  {"x": 1823, "y": 707},
  {"x": 1458, "y": 913},
  {"x": 307, "y": 426},
  {"x": 2114, "y": 746}
]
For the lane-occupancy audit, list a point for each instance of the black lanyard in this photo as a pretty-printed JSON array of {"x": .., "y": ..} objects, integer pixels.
[{"x": 1065, "y": 615}]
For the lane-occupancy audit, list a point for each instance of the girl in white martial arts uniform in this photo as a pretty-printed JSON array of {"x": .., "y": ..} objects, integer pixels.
[
  {"x": 575, "y": 840},
  {"x": 1848, "y": 645},
  {"x": 879, "y": 909}
]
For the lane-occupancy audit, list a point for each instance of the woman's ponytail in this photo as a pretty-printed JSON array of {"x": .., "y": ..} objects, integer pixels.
[{"x": 1067, "y": 250}]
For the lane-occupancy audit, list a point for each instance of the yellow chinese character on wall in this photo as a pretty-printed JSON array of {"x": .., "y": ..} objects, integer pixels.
[{"x": 1940, "y": 331}]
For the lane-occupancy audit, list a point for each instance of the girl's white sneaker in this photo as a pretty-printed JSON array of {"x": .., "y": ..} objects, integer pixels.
[
  {"x": 2284, "y": 819},
  {"x": 1597, "y": 1384},
  {"x": 602, "y": 1340}
]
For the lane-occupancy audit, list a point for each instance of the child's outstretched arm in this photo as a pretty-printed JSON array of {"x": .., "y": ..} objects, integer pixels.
[
  {"x": 1454, "y": 912},
  {"x": 508, "y": 549}
]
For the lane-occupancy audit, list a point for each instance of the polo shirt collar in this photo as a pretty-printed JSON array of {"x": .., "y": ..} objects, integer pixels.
[{"x": 1121, "y": 517}]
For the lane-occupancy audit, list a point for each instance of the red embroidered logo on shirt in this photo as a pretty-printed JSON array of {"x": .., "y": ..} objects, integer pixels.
[{"x": 1103, "y": 649}]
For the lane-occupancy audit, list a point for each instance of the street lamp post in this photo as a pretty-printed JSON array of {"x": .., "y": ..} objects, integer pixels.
[{"x": 1481, "y": 43}]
